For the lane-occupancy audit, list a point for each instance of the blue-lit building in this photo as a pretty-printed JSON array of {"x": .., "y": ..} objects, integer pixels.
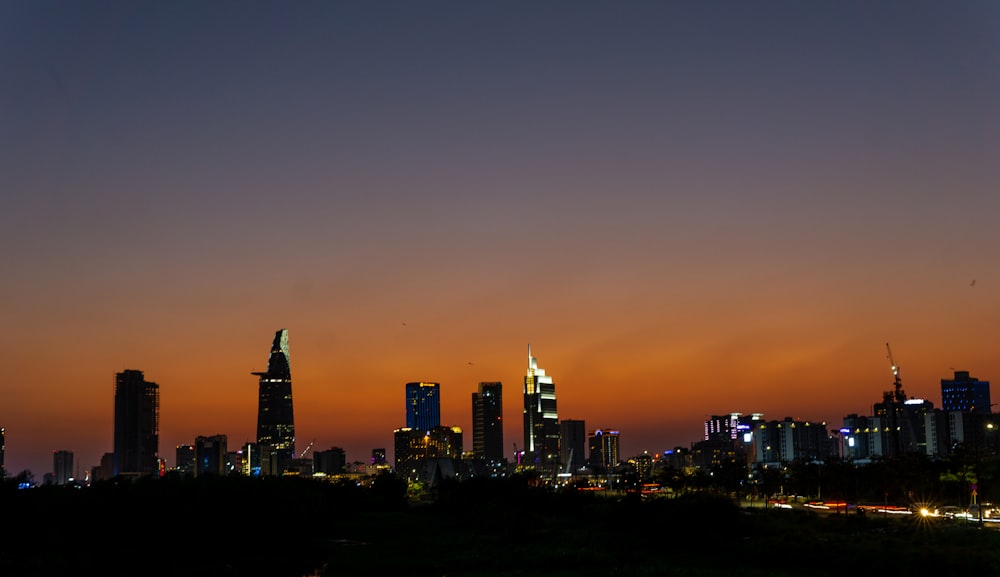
[
  {"x": 423, "y": 406},
  {"x": 966, "y": 394}
]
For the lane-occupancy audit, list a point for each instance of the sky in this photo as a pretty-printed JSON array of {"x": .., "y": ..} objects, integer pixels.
[{"x": 686, "y": 209}]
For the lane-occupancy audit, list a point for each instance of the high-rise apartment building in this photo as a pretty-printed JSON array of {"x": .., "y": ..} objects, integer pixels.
[
  {"x": 487, "y": 422},
  {"x": 423, "y": 406},
  {"x": 62, "y": 467},
  {"x": 966, "y": 394},
  {"x": 275, "y": 419},
  {"x": 137, "y": 424},
  {"x": 541, "y": 421}
]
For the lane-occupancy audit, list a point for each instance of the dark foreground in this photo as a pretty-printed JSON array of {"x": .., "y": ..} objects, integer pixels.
[{"x": 294, "y": 527}]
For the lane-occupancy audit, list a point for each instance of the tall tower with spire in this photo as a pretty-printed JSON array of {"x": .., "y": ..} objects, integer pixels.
[
  {"x": 541, "y": 422},
  {"x": 275, "y": 422}
]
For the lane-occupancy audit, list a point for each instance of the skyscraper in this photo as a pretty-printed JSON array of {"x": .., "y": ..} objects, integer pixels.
[
  {"x": 137, "y": 424},
  {"x": 423, "y": 406},
  {"x": 62, "y": 467},
  {"x": 487, "y": 421},
  {"x": 541, "y": 422},
  {"x": 275, "y": 422}
]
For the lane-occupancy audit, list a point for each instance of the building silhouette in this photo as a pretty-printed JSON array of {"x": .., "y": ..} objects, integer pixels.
[
  {"x": 275, "y": 419},
  {"x": 487, "y": 422},
  {"x": 333, "y": 461},
  {"x": 965, "y": 393},
  {"x": 3, "y": 448},
  {"x": 62, "y": 467},
  {"x": 541, "y": 421},
  {"x": 137, "y": 425},
  {"x": 572, "y": 445},
  {"x": 423, "y": 406},
  {"x": 185, "y": 459},
  {"x": 210, "y": 455},
  {"x": 604, "y": 450}
]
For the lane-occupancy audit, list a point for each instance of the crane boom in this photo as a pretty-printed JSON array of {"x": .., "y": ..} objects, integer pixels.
[{"x": 897, "y": 381}]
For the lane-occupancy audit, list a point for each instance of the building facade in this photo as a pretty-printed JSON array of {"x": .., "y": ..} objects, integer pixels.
[
  {"x": 572, "y": 445},
  {"x": 210, "y": 455},
  {"x": 62, "y": 467},
  {"x": 541, "y": 419},
  {"x": 604, "y": 452},
  {"x": 275, "y": 417},
  {"x": 423, "y": 405},
  {"x": 137, "y": 425},
  {"x": 185, "y": 459},
  {"x": 487, "y": 422},
  {"x": 965, "y": 393}
]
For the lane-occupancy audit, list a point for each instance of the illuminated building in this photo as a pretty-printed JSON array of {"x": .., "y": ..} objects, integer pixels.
[
  {"x": 185, "y": 459},
  {"x": 487, "y": 422},
  {"x": 423, "y": 406},
  {"x": 604, "y": 455},
  {"x": 137, "y": 425},
  {"x": 378, "y": 457},
  {"x": 275, "y": 422},
  {"x": 414, "y": 445},
  {"x": 965, "y": 393},
  {"x": 210, "y": 455},
  {"x": 541, "y": 421},
  {"x": 572, "y": 444},
  {"x": 3, "y": 447},
  {"x": 788, "y": 441},
  {"x": 62, "y": 467}
]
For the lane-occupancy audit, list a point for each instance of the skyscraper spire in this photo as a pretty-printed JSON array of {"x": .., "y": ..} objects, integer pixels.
[{"x": 275, "y": 419}]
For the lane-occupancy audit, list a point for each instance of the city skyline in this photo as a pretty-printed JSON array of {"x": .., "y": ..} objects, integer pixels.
[{"x": 686, "y": 210}]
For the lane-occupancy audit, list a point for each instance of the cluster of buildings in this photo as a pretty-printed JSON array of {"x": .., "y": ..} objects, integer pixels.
[{"x": 427, "y": 450}]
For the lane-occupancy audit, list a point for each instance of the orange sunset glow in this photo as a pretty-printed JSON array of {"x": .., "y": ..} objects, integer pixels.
[{"x": 685, "y": 211}]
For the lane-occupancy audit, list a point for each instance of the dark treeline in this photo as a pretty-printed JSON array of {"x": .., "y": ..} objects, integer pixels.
[{"x": 288, "y": 526}]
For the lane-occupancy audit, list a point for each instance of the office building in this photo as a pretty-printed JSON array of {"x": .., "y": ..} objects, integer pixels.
[
  {"x": 210, "y": 455},
  {"x": 378, "y": 457},
  {"x": 423, "y": 406},
  {"x": 62, "y": 467},
  {"x": 572, "y": 445},
  {"x": 3, "y": 448},
  {"x": 966, "y": 394},
  {"x": 137, "y": 425},
  {"x": 541, "y": 421},
  {"x": 487, "y": 422},
  {"x": 275, "y": 419}
]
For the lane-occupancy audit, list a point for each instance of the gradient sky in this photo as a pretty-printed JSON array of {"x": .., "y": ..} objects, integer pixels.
[{"x": 686, "y": 208}]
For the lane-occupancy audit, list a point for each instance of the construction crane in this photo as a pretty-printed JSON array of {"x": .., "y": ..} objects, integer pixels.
[
  {"x": 898, "y": 394},
  {"x": 306, "y": 450}
]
